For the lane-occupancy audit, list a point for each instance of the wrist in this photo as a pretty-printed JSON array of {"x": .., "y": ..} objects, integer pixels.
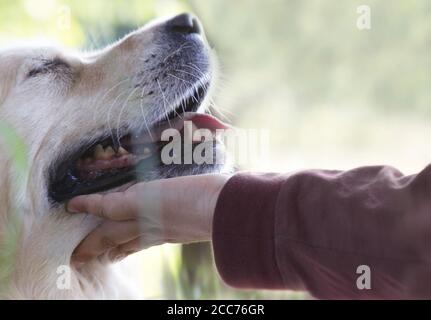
[
  {"x": 216, "y": 184},
  {"x": 189, "y": 205}
]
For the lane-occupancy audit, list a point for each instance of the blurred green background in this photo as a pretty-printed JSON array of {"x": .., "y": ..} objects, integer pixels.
[{"x": 332, "y": 96}]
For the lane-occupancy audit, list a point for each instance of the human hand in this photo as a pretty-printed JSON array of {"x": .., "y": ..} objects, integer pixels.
[{"x": 177, "y": 210}]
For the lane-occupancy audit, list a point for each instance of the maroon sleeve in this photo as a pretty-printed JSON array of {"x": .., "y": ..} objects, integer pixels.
[{"x": 356, "y": 234}]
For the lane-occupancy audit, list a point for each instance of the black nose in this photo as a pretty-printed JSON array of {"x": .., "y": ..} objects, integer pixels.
[{"x": 184, "y": 23}]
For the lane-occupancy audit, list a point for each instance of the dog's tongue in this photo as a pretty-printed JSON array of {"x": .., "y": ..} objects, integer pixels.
[
  {"x": 204, "y": 121},
  {"x": 199, "y": 120}
]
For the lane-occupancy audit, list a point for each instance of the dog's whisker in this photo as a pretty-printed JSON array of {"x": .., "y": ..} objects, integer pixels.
[
  {"x": 178, "y": 78},
  {"x": 181, "y": 47},
  {"x": 108, "y": 116},
  {"x": 182, "y": 102},
  {"x": 121, "y": 112},
  {"x": 219, "y": 110},
  {"x": 191, "y": 74},
  {"x": 164, "y": 102},
  {"x": 178, "y": 98},
  {"x": 214, "y": 106},
  {"x": 144, "y": 118},
  {"x": 182, "y": 99},
  {"x": 193, "y": 66},
  {"x": 105, "y": 95},
  {"x": 205, "y": 77}
]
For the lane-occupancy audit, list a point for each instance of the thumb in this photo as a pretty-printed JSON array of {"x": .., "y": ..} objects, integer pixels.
[
  {"x": 85, "y": 204},
  {"x": 114, "y": 206}
]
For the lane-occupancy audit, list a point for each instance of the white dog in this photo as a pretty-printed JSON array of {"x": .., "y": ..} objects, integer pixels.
[{"x": 84, "y": 120}]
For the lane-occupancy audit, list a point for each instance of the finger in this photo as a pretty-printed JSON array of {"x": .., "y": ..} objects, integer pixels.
[
  {"x": 105, "y": 237},
  {"x": 116, "y": 206},
  {"x": 124, "y": 250},
  {"x": 133, "y": 246}
]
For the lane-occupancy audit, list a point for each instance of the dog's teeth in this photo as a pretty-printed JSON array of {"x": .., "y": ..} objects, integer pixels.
[
  {"x": 109, "y": 153},
  {"x": 99, "y": 152},
  {"x": 122, "y": 151}
]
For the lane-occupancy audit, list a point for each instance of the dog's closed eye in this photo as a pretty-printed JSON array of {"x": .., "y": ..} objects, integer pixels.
[{"x": 48, "y": 66}]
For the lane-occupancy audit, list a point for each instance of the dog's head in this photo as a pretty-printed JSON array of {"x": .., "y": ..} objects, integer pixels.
[{"x": 92, "y": 121}]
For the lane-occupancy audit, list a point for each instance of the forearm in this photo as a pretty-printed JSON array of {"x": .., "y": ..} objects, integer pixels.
[{"x": 311, "y": 230}]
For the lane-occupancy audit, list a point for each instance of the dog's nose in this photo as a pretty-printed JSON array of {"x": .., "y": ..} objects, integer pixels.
[{"x": 185, "y": 23}]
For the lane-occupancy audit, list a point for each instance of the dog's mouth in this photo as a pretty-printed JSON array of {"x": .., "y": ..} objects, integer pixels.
[{"x": 110, "y": 162}]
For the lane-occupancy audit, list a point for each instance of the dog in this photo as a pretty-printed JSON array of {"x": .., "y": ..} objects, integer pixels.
[{"x": 81, "y": 120}]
